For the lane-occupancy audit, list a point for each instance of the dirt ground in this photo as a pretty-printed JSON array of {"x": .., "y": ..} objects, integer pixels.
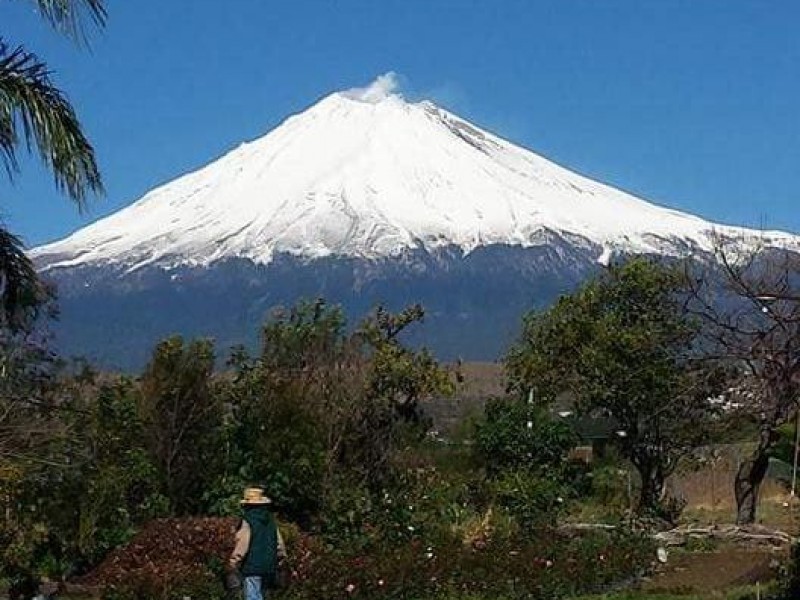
[
  {"x": 715, "y": 571},
  {"x": 708, "y": 491}
]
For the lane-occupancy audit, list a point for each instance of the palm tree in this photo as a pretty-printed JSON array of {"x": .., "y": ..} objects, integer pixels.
[{"x": 36, "y": 116}]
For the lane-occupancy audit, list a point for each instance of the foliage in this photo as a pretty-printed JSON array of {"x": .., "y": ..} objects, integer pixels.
[
  {"x": 784, "y": 447},
  {"x": 86, "y": 489},
  {"x": 28, "y": 378},
  {"x": 739, "y": 593},
  {"x": 609, "y": 485},
  {"x": 275, "y": 442},
  {"x": 279, "y": 434},
  {"x": 22, "y": 296},
  {"x": 623, "y": 347},
  {"x": 35, "y": 113},
  {"x": 322, "y": 405},
  {"x": 21, "y": 533},
  {"x": 418, "y": 503},
  {"x": 404, "y": 376},
  {"x": 112, "y": 484},
  {"x": 198, "y": 582},
  {"x": 69, "y": 16},
  {"x": 531, "y": 498},
  {"x": 387, "y": 412},
  {"x": 29, "y": 425},
  {"x": 331, "y": 421},
  {"x": 547, "y": 566},
  {"x": 182, "y": 417},
  {"x": 525, "y": 453},
  {"x": 517, "y": 435},
  {"x": 789, "y": 581}
]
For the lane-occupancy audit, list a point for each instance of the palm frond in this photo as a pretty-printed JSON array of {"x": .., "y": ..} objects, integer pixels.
[
  {"x": 70, "y": 16},
  {"x": 21, "y": 292},
  {"x": 34, "y": 111}
]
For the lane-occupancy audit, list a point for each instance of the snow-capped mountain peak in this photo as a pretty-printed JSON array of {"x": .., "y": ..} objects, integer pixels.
[{"x": 365, "y": 173}]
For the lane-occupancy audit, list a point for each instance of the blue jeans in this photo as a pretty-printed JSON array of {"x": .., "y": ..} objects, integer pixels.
[{"x": 253, "y": 589}]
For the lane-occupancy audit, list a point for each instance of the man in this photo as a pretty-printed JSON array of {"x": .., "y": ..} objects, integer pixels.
[{"x": 259, "y": 547}]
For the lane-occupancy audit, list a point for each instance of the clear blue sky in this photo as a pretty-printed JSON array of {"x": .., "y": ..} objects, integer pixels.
[{"x": 692, "y": 104}]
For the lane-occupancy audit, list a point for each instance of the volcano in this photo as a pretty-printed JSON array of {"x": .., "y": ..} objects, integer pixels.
[{"x": 363, "y": 198}]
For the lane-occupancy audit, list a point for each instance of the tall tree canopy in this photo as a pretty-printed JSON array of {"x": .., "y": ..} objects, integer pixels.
[{"x": 623, "y": 347}]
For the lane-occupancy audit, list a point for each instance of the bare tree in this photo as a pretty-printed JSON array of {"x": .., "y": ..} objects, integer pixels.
[{"x": 749, "y": 304}]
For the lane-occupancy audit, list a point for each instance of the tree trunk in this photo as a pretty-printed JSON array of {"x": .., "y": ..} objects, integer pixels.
[
  {"x": 747, "y": 485},
  {"x": 652, "y": 476},
  {"x": 751, "y": 474}
]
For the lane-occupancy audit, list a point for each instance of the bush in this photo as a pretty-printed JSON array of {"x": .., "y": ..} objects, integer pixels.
[
  {"x": 197, "y": 584},
  {"x": 419, "y": 503},
  {"x": 609, "y": 486},
  {"x": 525, "y": 453},
  {"x": 516, "y": 435},
  {"x": 530, "y": 498},
  {"x": 789, "y": 582},
  {"x": 545, "y": 566}
]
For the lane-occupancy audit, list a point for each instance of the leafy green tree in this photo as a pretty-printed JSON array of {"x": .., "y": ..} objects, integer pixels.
[
  {"x": 404, "y": 376},
  {"x": 322, "y": 404},
  {"x": 623, "y": 346},
  {"x": 279, "y": 435},
  {"x": 398, "y": 380},
  {"x": 276, "y": 441},
  {"x": 182, "y": 419},
  {"x": 34, "y": 113},
  {"x": 87, "y": 490},
  {"x": 111, "y": 485},
  {"x": 31, "y": 429}
]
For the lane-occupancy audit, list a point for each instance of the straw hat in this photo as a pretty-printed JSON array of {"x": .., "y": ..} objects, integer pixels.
[{"x": 253, "y": 496}]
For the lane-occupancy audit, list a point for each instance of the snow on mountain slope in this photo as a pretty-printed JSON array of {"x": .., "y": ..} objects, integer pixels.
[{"x": 366, "y": 174}]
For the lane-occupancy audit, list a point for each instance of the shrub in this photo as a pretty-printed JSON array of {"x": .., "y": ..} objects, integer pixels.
[
  {"x": 609, "y": 487},
  {"x": 531, "y": 499},
  {"x": 197, "y": 584},
  {"x": 789, "y": 583},
  {"x": 516, "y": 435},
  {"x": 547, "y": 565},
  {"x": 525, "y": 452},
  {"x": 419, "y": 503}
]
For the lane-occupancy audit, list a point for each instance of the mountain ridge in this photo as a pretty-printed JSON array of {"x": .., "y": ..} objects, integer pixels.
[
  {"x": 363, "y": 199},
  {"x": 367, "y": 174}
]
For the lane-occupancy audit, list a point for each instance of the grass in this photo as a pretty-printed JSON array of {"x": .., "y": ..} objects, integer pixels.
[{"x": 740, "y": 593}]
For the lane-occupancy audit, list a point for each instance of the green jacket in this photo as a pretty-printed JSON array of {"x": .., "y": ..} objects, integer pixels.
[{"x": 262, "y": 554}]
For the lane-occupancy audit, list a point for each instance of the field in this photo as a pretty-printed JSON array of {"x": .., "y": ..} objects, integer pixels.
[
  {"x": 702, "y": 567},
  {"x": 700, "y": 570}
]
